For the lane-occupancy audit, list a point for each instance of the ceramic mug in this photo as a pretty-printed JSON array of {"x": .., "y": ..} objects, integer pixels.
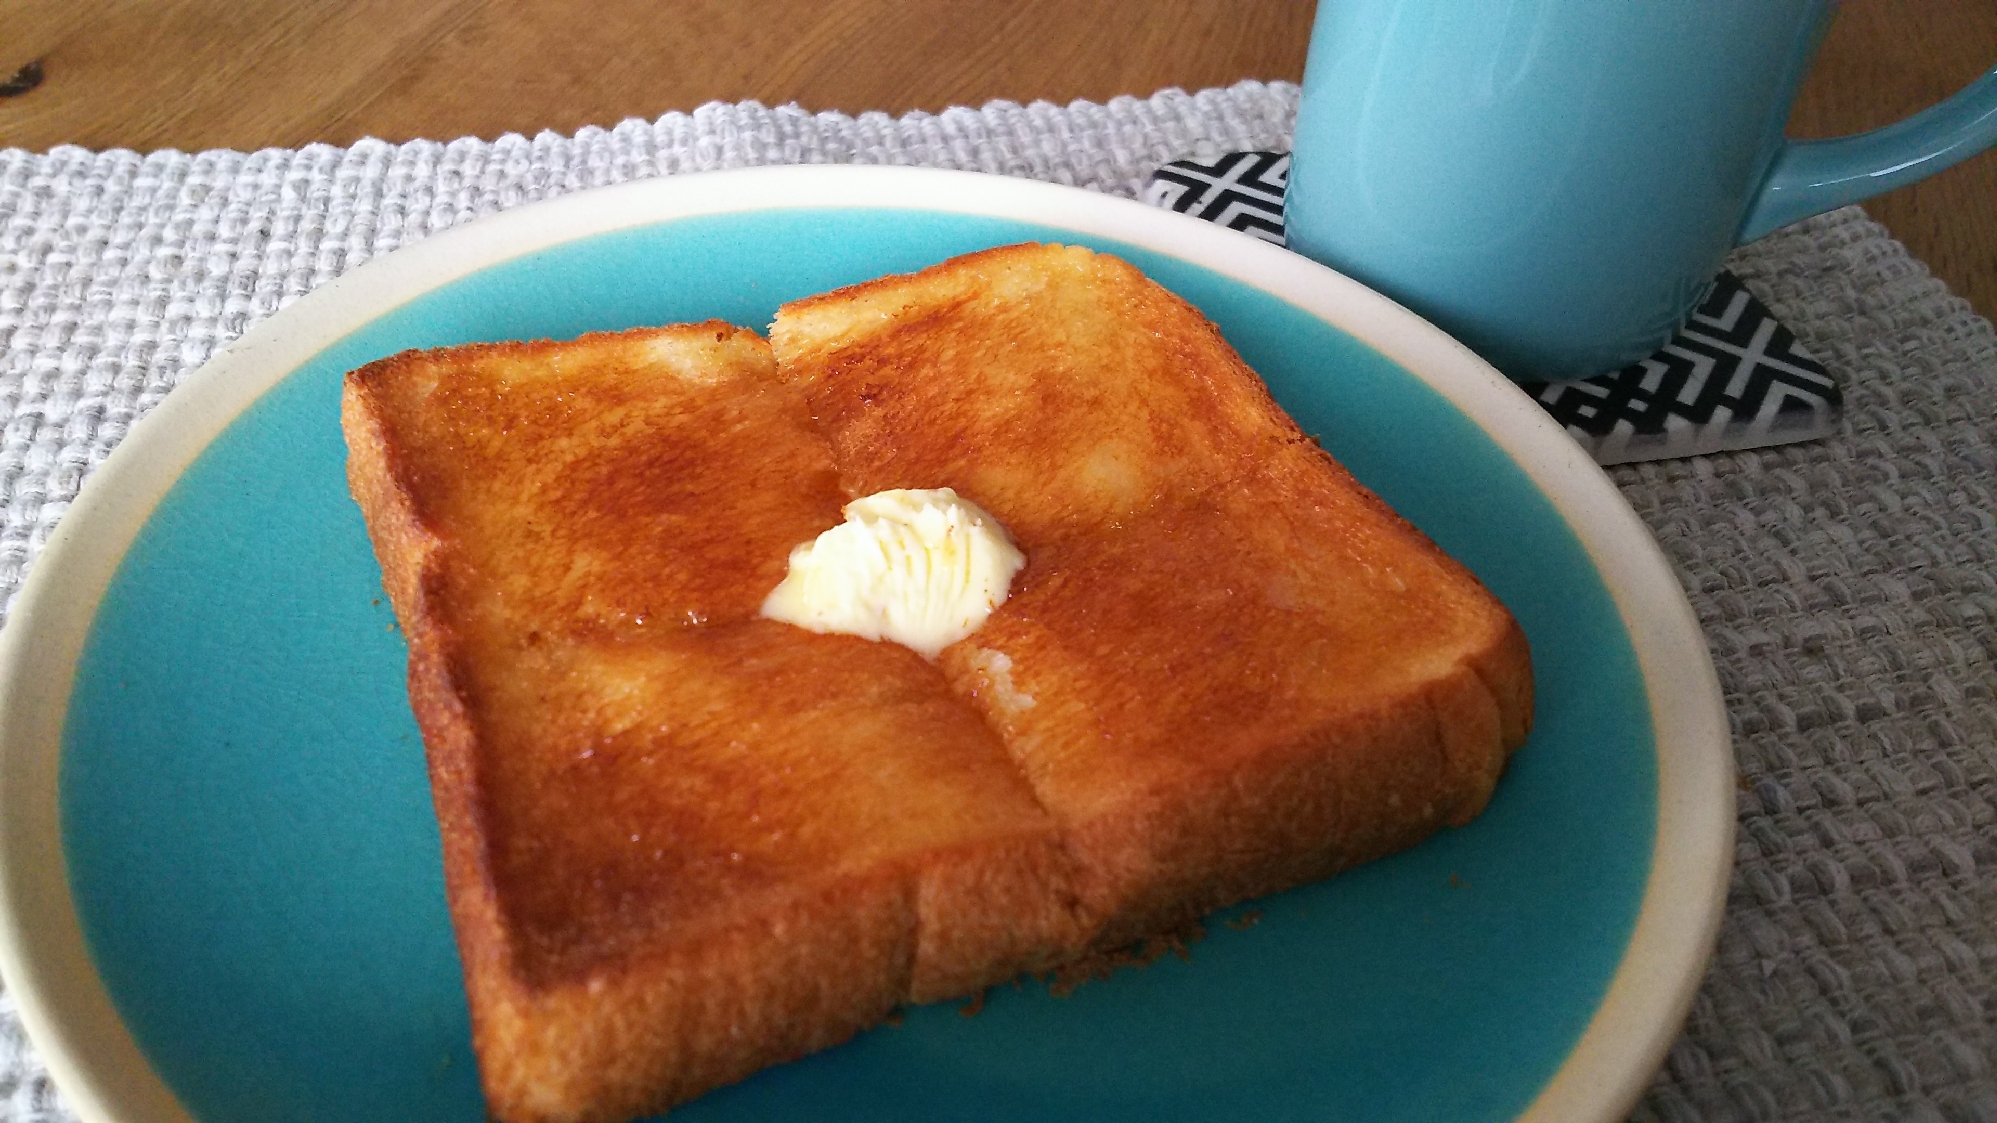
[{"x": 1556, "y": 182}]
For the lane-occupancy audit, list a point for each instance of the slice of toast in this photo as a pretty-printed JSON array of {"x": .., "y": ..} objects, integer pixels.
[
  {"x": 681, "y": 842},
  {"x": 1227, "y": 667}
]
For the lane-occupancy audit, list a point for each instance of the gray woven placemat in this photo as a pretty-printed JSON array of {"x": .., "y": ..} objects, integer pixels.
[{"x": 1846, "y": 586}]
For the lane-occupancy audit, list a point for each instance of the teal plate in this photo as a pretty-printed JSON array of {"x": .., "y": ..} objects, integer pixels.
[{"x": 245, "y": 823}]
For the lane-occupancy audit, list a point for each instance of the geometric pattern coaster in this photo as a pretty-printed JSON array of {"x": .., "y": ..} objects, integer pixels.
[
  {"x": 1241, "y": 191},
  {"x": 1733, "y": 377}
]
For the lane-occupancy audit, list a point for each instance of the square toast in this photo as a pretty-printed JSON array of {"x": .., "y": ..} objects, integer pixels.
[{"x": 683, "y": 842}]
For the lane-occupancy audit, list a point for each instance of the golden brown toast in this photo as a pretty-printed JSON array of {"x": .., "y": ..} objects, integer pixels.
[
  {"x": 1227, "y": 667},
  {"x": 683, "y": 842}
]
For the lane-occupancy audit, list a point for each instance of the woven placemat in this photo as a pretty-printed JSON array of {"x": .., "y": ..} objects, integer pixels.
[{"x": 1846, "y": 585}]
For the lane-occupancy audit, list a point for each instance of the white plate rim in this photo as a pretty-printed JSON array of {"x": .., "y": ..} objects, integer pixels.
[{"x": 98, "y": 1066}]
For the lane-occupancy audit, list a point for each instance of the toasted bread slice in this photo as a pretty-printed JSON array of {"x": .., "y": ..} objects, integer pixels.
[
  {"x": 681, "y": 842},
  {"x": 1227, "y": 668}
]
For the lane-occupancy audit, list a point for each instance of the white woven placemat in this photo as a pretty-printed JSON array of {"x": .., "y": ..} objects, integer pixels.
[{"x": 1848, "y": 586}]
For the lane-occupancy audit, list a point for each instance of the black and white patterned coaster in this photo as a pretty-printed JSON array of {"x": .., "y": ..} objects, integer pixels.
[
  {"x": 1732, "y": 378},
  {"x": 1241, "y": 191}
]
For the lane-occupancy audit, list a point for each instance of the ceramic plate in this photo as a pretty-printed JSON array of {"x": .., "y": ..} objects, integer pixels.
[{"x": 221, "y": 893}]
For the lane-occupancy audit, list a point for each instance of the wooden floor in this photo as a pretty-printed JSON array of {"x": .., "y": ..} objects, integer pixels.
[{"x": 245, "y": 74}]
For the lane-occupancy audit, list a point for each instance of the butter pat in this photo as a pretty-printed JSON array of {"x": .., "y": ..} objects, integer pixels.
[{"x": 921, "y": 568}]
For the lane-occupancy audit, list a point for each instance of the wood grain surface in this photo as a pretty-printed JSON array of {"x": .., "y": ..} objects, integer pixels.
[{"x": 247, "y": 74}]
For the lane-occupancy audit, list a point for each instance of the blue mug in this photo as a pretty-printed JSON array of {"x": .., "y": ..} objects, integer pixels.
[{"x": 1556, "y": 182}]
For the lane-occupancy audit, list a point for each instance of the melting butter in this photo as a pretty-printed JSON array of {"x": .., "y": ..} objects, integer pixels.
[{"x": 922, "y": 568}]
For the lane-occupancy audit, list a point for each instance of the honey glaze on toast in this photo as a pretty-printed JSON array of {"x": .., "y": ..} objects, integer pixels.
[{"x": 682, "y": 842}]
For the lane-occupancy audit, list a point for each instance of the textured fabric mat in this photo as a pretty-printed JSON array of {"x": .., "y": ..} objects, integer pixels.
[{"x": 1846, "y": 585}]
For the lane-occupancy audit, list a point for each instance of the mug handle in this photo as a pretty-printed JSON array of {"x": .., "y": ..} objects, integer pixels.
[{"x": 1813, "y": 176}]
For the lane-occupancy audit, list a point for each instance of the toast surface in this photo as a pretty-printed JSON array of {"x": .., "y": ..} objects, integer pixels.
[
  {"x": 1227, "y": 667},
  {"x": 683, "y": 842},
  {"x": 652, "y": 801},
  {"x": 1060, "y": 389}
]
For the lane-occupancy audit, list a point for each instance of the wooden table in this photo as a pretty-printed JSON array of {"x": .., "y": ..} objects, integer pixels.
[{"x": 246, "y": 74}]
